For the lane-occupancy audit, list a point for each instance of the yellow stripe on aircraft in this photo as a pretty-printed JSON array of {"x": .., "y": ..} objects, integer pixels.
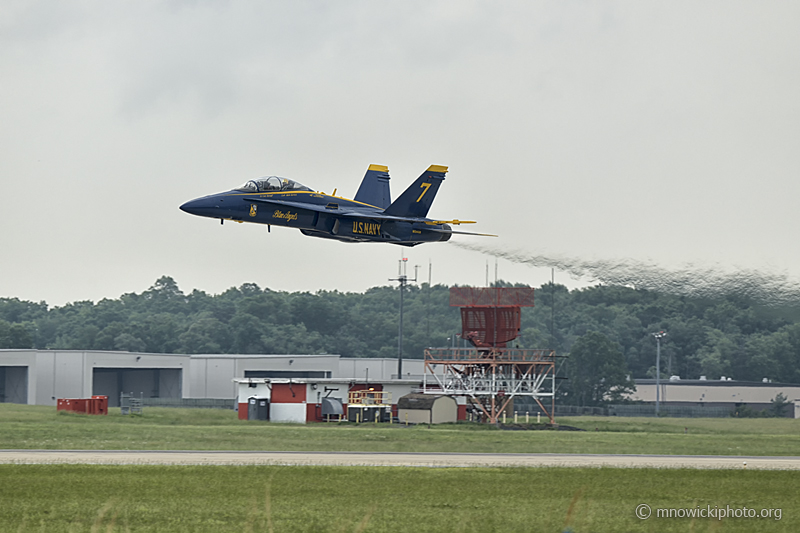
[
  {"x": 453, "y": 222},
  {"x": 281, "y": 193}
]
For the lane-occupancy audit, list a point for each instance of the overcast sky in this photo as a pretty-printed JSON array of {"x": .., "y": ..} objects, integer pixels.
[{"x": 663, "y": 132}]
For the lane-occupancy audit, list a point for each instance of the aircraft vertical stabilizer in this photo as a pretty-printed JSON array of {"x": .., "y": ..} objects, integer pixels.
[
  {"x": 417, "y": 199},
  {"x": 374, "y": 189}
]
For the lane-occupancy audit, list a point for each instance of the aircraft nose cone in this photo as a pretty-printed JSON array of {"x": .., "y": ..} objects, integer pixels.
[
  {"x": 192, "y": 207},
  {"x": 203, "y": 207}
]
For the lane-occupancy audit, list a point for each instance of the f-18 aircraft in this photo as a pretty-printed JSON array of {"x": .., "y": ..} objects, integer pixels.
[{"x": 370, "y": 217}]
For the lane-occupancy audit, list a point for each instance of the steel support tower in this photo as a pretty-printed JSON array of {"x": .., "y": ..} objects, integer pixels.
[{"x": 490, "y": 374}]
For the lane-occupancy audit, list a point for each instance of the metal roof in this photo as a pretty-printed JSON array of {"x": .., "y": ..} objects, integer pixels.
[{"x": 419, "y": 401}]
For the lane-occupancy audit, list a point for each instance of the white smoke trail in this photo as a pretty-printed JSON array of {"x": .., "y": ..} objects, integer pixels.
[{"x": 765, "y": 287}]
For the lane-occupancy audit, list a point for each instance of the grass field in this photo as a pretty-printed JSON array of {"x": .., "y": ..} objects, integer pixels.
[
  {"x": 78, "y": 498},
  {"x": 39, "y": 427},
  {"x": 74, "y": 498}
]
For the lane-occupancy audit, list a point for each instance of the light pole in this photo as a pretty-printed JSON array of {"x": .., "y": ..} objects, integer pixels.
[
  {"x": 403, "y": 279},
  {"x": 660, "y": 335}
]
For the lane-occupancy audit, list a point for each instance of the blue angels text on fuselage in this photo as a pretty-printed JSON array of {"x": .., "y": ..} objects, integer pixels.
[{"x": 370, "y": 217}]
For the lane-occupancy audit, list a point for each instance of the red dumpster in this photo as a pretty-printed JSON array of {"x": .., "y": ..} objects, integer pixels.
[
  {"x": 96, "y": 405},
  {"x": 71, "y": 404},
  {"x": 99, "y": 405}
]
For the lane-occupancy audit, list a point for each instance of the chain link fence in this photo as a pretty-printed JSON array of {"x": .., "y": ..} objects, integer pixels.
[
  {"x": 200, "y": 403},
  {"x": 644, "y": 410}
]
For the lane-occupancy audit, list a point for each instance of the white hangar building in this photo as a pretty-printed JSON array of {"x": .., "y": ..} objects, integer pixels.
[
  {"x": 40, "y": 377},
  {"x": 726, "y": 393}
]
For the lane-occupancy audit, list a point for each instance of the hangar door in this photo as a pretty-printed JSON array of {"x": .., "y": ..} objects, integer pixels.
[
  {"x": 149, "y": 382},
  {"x": 14, "y": 384}
]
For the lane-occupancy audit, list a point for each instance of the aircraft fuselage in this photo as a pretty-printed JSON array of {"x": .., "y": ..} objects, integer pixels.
[
  {"x": 371, "y": 216},
  {"x": 278, "y": 209}
]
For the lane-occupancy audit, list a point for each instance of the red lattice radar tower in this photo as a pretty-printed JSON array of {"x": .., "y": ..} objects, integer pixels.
[{"x": 490, "y": 373}]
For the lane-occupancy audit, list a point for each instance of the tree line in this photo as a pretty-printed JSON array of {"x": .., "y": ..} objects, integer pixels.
[{"x": 606, "y": 330}]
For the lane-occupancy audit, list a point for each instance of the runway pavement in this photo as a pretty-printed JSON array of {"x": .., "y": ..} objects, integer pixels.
[{"x": 153, "y": 457}]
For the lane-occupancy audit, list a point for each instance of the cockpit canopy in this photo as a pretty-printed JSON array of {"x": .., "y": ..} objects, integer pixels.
[{"x": 272, "y": 184}]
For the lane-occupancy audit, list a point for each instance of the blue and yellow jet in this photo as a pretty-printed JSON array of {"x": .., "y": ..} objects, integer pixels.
[{"x": 370, "y": 217}]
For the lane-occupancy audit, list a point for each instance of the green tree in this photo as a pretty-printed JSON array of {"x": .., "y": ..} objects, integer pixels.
[
  {"x": 247, "y": 331},
  {"x": 14, "y": 336},
  {"x": 206, "y": 335},
  {"x": 165, "y": 296},
  {"x": 596, "y": 370},
  {"x": 727, "y": 335},
  {"x": 778, "y": 405},
  {"x": 105, "y": 340},
  {"x": 716, "y": 355},
  {"x": 125, "y": 342}
]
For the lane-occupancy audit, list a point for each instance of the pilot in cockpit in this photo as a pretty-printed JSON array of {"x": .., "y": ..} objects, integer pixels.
[{"x": 272, "y": 184}]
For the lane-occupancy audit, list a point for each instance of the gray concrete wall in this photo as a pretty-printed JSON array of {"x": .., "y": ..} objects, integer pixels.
[
  {"x": 71, "y": 379},
  {"x": 219, "y": 378},
  {"x": 732, "y": 392},
  {"x": 43, "y": 380},
  {"x": 211, "y": 376},
  {"x": 380, "y": 369},
  {"x": 54, "y": 374}
]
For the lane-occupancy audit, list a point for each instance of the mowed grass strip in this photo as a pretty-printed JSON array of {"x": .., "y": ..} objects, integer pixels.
[
  {"x": 39, "y": 427},
  {"x": 76, "y": 498}
]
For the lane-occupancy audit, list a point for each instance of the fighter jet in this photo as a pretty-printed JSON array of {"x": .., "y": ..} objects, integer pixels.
[{"x": 369, "y": 217}]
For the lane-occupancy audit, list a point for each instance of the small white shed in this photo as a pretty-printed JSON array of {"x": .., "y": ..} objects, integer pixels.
[{"x": 427, "y": 409}]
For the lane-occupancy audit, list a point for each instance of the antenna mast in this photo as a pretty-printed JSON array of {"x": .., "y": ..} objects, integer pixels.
[{"x": 403, "y": 279}]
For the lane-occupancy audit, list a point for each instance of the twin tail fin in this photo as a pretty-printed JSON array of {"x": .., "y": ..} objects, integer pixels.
[
  {"x": 374, "y": 189},
  {"x": 417, "y": 199}
]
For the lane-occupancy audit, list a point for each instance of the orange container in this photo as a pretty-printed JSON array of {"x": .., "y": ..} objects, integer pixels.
[
  {"x": 96, "y": 405},
  {"x": 99, "y": 405}
]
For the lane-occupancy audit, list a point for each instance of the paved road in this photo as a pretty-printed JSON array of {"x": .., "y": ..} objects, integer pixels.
[{"x": 393, "y": 459}]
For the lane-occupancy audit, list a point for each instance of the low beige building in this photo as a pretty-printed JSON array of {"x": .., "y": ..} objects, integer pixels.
[
  {"x": 427, "y": 409},
  {"x": 717, "y": 393}
]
